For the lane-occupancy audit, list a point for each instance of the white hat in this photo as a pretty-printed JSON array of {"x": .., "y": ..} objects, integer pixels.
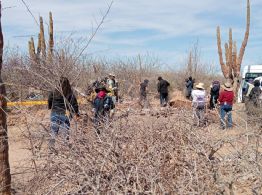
[
  {"x": 112, "y": 74},
  {"x": 200, "y": 86},
  {"x": 227, "y": 86}
]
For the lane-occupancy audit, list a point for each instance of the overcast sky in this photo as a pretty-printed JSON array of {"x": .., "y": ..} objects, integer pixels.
[{"x": 166, "y": 28}]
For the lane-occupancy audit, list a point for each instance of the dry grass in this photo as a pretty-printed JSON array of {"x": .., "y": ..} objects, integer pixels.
[{"x": 141, "y": 153}]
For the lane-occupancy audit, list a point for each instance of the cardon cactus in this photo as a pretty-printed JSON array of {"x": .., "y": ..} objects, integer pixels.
[
  {"x": 51, "y": 36},
  {"x": 231, "y": 69},
  {"x": 40, "y": 53}
]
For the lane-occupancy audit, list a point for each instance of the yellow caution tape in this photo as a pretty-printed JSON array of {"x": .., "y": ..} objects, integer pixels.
[
  {"x": 34, "y": 103},
  {"x": 27, "y": 103}
]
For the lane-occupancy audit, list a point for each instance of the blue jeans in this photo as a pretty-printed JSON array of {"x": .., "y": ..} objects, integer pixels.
[
  {"x": 59, "y": 122},
  {"x": 226, "y": 110}
]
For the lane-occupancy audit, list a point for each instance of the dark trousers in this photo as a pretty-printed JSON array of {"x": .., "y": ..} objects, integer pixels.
[
  {"x": 213, "y": 101},
  {"x": 163, "y": 99}
]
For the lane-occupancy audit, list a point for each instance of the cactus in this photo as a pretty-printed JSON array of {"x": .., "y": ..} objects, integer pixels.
[
  {"x": 40, "y": 53},
  {"x": 231, "y": 69},
  {"x": 31, "y": 46},
  {"x": 51, "y": 36},
  {"x": 42, "y": 38}
]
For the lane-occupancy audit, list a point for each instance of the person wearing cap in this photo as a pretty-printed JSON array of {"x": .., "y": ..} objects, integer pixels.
[
  {"x": 226, "y": 99},
  {"x": 199, "y": 102},
  {"x": 162, "y": 88},
  {"x": 143, "y": 93}
]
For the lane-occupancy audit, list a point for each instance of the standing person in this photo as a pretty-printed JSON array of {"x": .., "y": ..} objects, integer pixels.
[
  {"x": 214, "y": 94},
  {"x": 111, "y": 86},
  {"x": 189, "y": 87},
  {"x": 199, "y": 102},
  {"x": 162, "y": 88},
  {"x": 226, "y": 98},
  {"x": 143, "y": 93},
  {"x": 102, "y": 105},
  {"x": 255, "y": 93},
  {"x": 63, "y": 105}
]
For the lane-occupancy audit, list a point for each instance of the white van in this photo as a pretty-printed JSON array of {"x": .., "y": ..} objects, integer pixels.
[{"x": 249, "y": 74}]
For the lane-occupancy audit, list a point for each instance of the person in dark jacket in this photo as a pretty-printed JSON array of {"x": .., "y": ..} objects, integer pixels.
[
  {"x": 103, "y": 106},
  {"x": 143, "y": 93},
  {"x": 226, "y": 99},
  {"x": 255, "y": 93},
  {"x": 63, "y": 105},
  {"x": 162, "y": 88},
  {"x": 189, "y": 87},
  {"x": 214, "y": 94}
]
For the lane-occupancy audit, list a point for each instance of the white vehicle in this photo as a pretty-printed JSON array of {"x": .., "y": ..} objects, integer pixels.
[{"x": 249, "y": 74}]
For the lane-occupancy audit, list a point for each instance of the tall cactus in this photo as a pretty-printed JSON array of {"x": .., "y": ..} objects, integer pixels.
[
  {"x": 41, "y": 52},
  {"x": 231, "y": 69},
  {"x": 42, "y": 38},
  {"x": 5, "y": 176},
  {"x": 51, "y": 36},
  {"x": 31, "y": 46}
]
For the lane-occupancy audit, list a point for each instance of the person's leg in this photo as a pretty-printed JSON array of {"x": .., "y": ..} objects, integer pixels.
[
  {"x": 222, "y": 116},
  {"x": 167, "y": 98},
  {"x": 161, "y": 99},
  {"x": 164, "y": 99},
  {"x": 211, "y": 102},
  {"x": 229, "y": 117},
  {"x": 54, "y": 126},
  {"x": 65, "y": 126}
]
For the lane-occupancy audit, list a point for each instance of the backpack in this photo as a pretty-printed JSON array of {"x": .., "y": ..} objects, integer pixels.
[
  {"x": 215, "y": 86},
  {"x": 108, "y": 103}
]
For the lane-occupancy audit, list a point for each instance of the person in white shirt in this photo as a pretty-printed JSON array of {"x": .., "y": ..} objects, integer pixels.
[{"x": 199, "y": 102}]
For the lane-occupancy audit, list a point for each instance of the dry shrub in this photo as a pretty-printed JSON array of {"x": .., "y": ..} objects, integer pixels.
[{"x": 131, "y": 156}]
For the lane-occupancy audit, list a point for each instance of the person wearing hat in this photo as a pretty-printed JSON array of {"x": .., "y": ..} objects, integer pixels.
[
  {"x": 226, "y": 99},
  {"x": 162, "y": 88},
  {"x": 143, "y": 93},
  {"x": 199, "y": 102},
  {"x": 102, "y": 105},
  {"x": 111, "y": 85}
]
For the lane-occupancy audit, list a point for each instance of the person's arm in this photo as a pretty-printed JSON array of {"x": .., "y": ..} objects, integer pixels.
[
  {"x": 158, "y": 87},
  {"x": 50, "y": 100},
  {"x": 168, "y": 84}
]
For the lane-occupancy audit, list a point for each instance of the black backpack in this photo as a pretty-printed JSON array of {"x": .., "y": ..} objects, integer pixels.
[
  {"x": 108, "y": 103},
  {"x": 215, "y": 87}
]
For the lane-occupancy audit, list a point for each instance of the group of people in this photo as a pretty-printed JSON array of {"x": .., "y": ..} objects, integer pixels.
[
  {"x": 162, "y": 88},
  {"x": 223, "y": 99},
  {"x": 64, "y": 106}
]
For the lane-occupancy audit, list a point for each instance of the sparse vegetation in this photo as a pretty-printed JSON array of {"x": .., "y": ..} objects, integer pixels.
[{"x": 139, "y": 151}]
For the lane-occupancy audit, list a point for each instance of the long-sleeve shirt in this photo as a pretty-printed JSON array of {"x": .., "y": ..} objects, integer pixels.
[
  {"x": 226, "y": 97},
  {"x": 57, "y": 103}
]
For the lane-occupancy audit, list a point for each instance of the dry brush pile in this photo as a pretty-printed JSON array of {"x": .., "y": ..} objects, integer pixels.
[{"x": 159, "y": 153}]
